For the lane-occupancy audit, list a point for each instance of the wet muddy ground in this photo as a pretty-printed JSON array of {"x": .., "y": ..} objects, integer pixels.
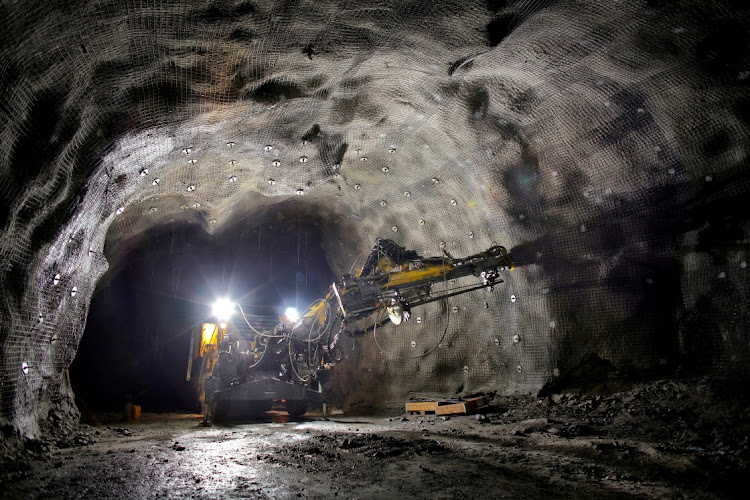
[{"x": 665, "y": 439}]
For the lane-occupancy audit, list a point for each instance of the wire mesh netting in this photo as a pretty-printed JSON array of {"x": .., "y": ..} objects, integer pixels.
[{"x": 603, "y": 144}]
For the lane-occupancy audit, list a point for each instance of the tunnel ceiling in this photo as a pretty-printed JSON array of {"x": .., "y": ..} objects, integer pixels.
[{"x": 604, "y": 143}]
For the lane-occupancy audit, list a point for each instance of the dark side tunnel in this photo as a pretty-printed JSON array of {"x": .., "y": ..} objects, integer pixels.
[{"x": 161, "y": 288}]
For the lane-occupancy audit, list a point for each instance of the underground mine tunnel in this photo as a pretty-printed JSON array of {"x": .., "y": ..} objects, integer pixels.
[{"x": 532, "y": 210}]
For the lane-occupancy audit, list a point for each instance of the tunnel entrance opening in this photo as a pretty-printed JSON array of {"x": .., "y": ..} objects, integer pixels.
[{"x": 161, "y": 287}]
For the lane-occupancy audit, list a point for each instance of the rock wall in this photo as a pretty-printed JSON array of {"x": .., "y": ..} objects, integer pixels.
[{"x": 605, "y": 145}]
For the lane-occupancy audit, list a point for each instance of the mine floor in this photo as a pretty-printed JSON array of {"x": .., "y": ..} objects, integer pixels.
[{"x": 665, "y": 439}]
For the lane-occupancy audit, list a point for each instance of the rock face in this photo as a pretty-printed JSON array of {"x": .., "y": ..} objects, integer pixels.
[{"x": 604, "y": 145}]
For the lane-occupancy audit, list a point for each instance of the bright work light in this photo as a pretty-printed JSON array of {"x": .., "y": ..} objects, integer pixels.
[
  {"x": 291, "y": 314},
  {"x": 223, "y": 309}
]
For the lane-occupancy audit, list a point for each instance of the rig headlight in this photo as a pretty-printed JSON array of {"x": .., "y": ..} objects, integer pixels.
[
  {"x": 291, "y": 314},
  {"x": 223, "y": 309}
]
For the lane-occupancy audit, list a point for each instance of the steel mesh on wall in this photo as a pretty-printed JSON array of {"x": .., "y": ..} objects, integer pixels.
[{"x": 604, "y": 145}]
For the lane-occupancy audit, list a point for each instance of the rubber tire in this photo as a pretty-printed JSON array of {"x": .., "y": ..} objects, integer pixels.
[{"x": 297, "y": 408}]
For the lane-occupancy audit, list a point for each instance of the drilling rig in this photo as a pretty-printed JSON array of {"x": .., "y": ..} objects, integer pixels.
[{"x": 289, "y": 365}]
